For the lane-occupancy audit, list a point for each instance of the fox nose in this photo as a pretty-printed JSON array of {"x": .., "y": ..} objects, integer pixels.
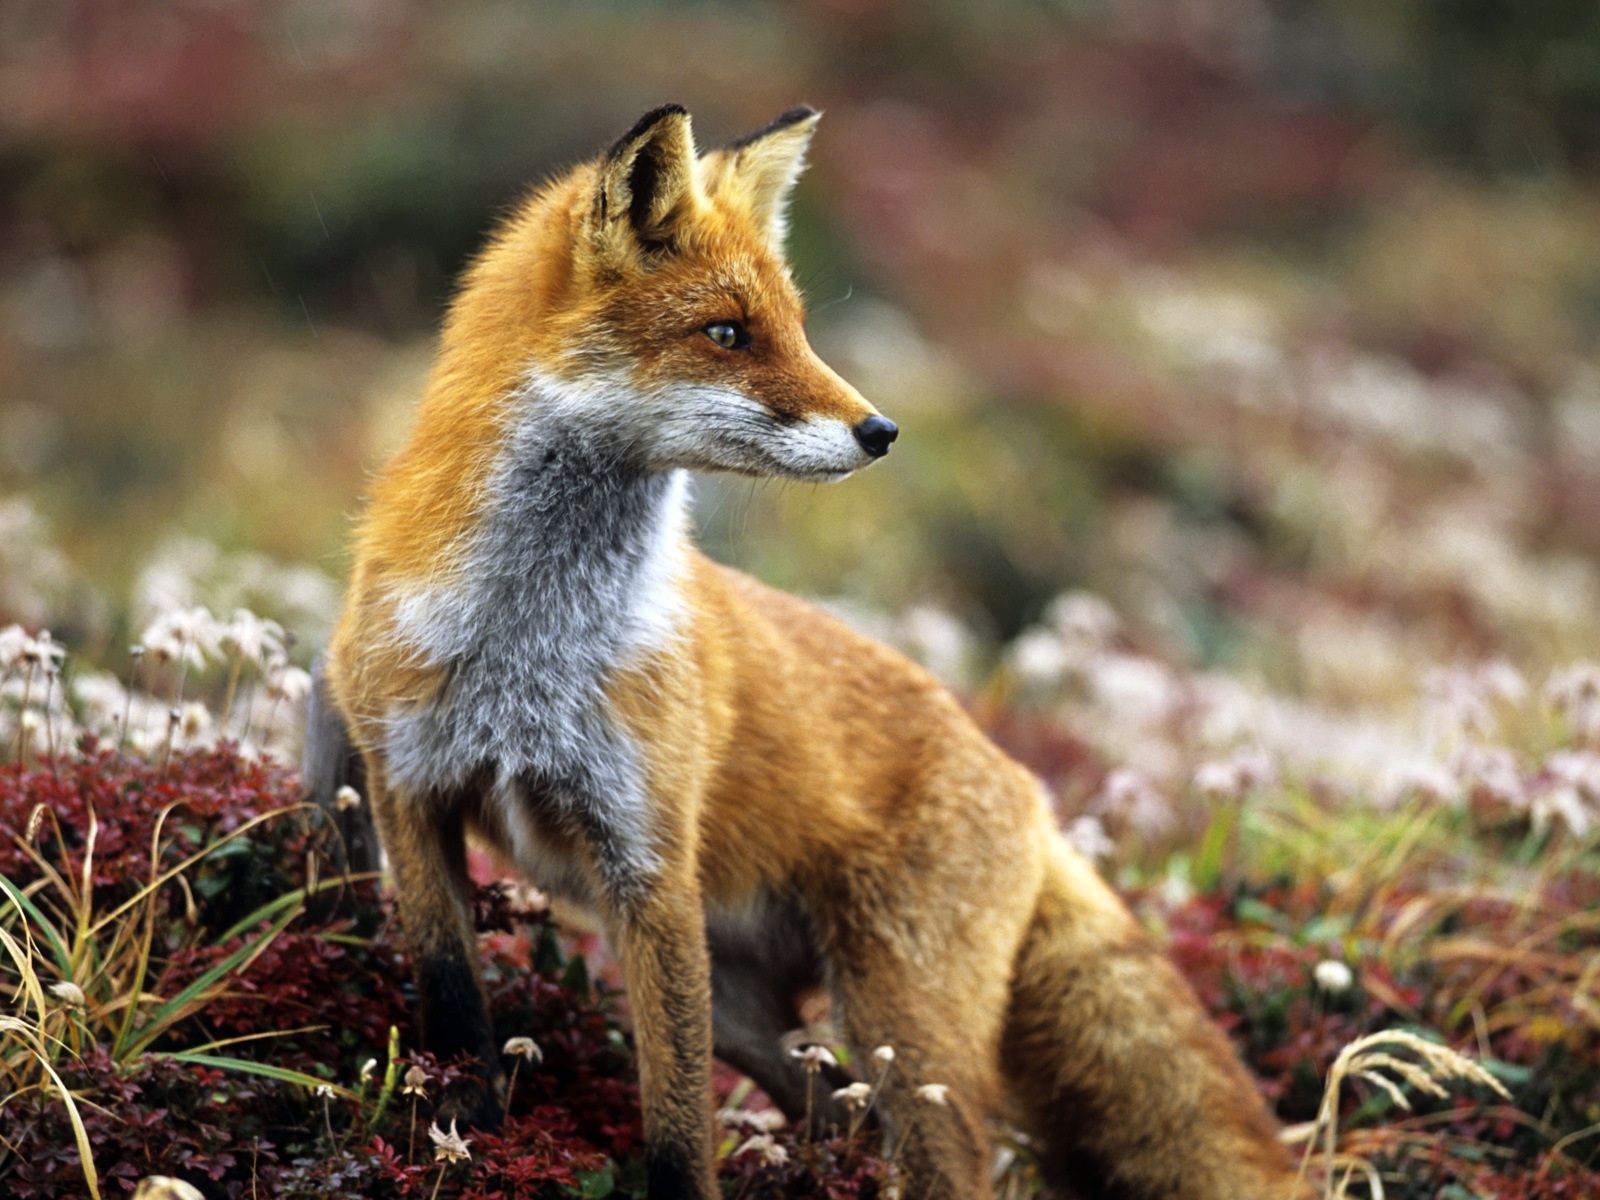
[{"x": 875, "y": 434}]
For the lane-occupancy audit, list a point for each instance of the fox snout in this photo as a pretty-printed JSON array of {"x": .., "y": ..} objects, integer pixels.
[{"x": 876, "y": 434}]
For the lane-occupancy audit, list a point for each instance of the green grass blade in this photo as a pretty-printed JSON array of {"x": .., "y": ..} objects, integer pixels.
[
  {"x": 174, "y": 1010},
  {"x": 253, "y": 1037},
  {"x": 272, "y": 907},
  {"x": 28, "y": 978},
  {"x": 246, "y": 1067},
  {"x": 58, "y": 948},
  {"x": 266, "y": 912}
]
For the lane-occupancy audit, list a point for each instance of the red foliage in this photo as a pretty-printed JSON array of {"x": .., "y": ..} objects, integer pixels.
[
  {"x": 214, "y": 793},
  {"x": 573, "y": 1123}
]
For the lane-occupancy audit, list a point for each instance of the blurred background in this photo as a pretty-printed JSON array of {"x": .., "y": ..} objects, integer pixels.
[
  {"x": 1274, "y": 323},
  {"x": 1246, "y": 354}
]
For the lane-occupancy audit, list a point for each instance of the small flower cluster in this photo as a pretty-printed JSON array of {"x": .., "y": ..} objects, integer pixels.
[
  {"x": 1165, "y": 735},
  {"x": 46, "y": 710}
]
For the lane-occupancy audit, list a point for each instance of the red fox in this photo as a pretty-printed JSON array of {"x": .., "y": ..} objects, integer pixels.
[{"x": 754, "y": 799}]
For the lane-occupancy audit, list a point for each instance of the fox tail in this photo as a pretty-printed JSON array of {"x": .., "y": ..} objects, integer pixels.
[
  {"x": 1127, "y": 1085},
  {"x": 330, "y": 763}
]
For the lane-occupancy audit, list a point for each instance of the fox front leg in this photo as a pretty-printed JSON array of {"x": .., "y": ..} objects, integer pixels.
[{"x": 659, "y": 933}]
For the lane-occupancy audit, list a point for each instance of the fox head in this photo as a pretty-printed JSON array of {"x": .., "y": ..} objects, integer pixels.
[{"x": 672, "y": 325}]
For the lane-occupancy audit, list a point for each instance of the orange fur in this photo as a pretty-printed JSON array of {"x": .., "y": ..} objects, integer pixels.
[{"x": 817, "y": 806}]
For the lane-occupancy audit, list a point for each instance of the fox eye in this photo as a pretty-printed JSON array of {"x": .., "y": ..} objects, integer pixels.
[{"x": 730, "y": 335}]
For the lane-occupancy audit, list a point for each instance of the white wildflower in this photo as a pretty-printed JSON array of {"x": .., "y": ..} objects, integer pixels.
[
  {"x": 855, "y": 1095},
  {"x": 101, "y": 696},
  {"x": 368, "y": 1069},
  {"x": 43, "y": 652},
  {"x": 765, "y": 1120},
  {"x": 165, "y": 1187},
  {"x": 934, "y": 1093},
  {"x": 1129, "y": 796},
  {"x": 1503, "y": 681},
  {"x": 1038, "y": 659},
  {"x": 171, "y": 579},
  {"x": 524, "y": 1046},
  {"x": 346, "y": 798},
  {"x": 525, "y": 900},
  {"x": 289, "y": 684},
  {"x": 1134, "y": 689},
  {"x": 1490, "y": 771},
  {"x": 937, "y": 640},
  {"x": 14, "y": 643},
  {"x": 813, "y": 1058},
  {"x": 194, "y": 719},
  {"x": 883, "y": 1055},
  {"x": 1176, "y": 890},
  {"x": 1088, "y": 837},
  {"x": 1232, "y": 777},
  {"x": 766, "y": 1147},
  {"x": 33, "y": 573},
  {"x": 1084, "y": 617},
  {"x": 449, "y": 1147},
  {"x": 1333, "y": 976},
  {"x": 1578, "y": 768},
  {"x": 1229, "y": 711},
  {"x": 182, "y": 635},
  {"x": 1464, "y": 699},
  {"x": 1568, "y": 791},
  {"x": 1560, "y": 801},
  {"x": 254, "y": 639},
  {"x": 324, "y": 1091},
  {"x": 68, "y": 993},
  {"x": 1574, "y": 691},
  {"x": 1418, "y": 777}
]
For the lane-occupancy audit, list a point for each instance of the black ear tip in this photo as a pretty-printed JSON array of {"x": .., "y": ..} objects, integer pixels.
[
  {"x": 643, "y": 126},
  {"x": 801, "y": 112}
]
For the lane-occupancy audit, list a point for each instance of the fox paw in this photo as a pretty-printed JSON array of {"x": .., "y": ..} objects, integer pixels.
[{"x": 471, "y": 1104}]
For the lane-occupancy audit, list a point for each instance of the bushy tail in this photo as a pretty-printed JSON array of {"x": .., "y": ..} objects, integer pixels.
[
  {"x": 1128, "y": 1086},
  {"x": 331, "y": 762}
]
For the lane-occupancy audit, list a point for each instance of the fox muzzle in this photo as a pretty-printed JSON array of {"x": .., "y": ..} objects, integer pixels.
[{"x": 875, "y": 435}]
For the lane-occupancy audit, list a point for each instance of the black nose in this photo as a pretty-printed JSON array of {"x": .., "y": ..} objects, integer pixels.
[{"x": 875, "y": 434}]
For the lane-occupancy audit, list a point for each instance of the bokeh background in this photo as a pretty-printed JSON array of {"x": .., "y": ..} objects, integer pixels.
[
  {"x": 1247, "y": 356},
  {"x": 1273, "y": 322}
]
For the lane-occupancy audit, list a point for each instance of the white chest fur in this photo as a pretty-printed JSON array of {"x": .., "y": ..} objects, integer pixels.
[{"x": 572, "y": 574}]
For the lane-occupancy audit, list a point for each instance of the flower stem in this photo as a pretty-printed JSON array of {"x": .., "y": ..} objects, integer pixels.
[{"x": 233, "y": 687}]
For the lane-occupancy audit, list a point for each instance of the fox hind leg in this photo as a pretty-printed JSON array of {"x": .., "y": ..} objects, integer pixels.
[
  {"x": 760, "y": 965},
  {"x": 943, "y": 1144},
  {"x": 929, "y": 980}
]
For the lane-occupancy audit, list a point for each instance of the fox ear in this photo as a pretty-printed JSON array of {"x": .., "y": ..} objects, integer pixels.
[
  {"x": 761, "y": 168},
  {"x": 647, "y": 181}
]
